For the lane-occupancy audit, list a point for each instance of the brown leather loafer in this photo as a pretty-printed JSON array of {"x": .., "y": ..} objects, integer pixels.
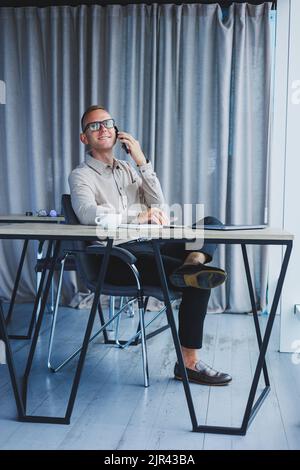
[
  {"x": 204, "y": 375},
  {"x": 198, "y": 275}
]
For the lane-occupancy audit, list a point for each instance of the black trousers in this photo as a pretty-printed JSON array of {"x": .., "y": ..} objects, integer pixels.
[{"x": 193, "y": 306}]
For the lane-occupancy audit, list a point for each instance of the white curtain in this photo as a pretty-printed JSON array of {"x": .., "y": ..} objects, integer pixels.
[{"x": 192, "y": 84}]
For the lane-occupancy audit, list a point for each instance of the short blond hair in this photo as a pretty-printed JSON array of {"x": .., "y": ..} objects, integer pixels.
[{"x": 89, "y": 110}]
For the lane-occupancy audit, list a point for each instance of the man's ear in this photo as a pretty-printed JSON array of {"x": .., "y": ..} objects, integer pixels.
[{"x": 83, "y": 138}]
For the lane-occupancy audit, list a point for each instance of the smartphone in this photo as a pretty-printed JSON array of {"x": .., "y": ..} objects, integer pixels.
[{"x": 124, "y": 147}]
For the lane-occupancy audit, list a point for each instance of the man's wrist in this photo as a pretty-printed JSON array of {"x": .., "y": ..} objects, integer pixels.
[{"x": 141, "y": 162}]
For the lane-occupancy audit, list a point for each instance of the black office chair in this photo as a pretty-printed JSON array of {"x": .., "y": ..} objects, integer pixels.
[{"x": 88, "y": 261}]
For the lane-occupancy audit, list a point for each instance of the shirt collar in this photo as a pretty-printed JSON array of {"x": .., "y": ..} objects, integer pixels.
[{"x": 99, "y": 166}]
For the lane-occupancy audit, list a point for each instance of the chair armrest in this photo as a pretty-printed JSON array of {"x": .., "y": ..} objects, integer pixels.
[{"x": 121, "y": 253}]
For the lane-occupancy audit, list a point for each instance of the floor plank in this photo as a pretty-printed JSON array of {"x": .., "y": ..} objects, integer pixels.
[{"x": 113, "y": 410}]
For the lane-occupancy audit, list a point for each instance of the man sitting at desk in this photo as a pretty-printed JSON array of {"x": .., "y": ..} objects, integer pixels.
[{"x": 104, "y": 184}]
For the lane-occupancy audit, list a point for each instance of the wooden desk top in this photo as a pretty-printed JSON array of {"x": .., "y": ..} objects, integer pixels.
[
  {"x": 16, "y": 218},
  {"x": 256, "y": 234},
  {"x": 37, "y": 231}
]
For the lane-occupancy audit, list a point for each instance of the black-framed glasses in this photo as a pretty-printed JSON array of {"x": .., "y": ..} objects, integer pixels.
[{"x": 96, "y": 125}]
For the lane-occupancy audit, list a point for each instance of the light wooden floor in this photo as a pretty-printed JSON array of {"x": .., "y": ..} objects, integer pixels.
[{"x": 114, "y": 411}]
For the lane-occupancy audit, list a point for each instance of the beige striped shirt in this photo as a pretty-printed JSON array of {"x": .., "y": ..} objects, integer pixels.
[{"x": 98, "y": 188}]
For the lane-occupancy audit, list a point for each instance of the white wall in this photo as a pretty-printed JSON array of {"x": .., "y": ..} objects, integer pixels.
[{"x": 285, "y": 165}]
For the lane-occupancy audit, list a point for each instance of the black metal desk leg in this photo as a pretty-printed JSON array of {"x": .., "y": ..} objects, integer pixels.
[
  {"x": 16, "y": 284},
  {"x": 37, "y": 300},
  {"x": 251, "y": 410},
  {"x": 88, "y": 331},
  {"x": 10, "y": 364},
  {"x": 73, "y": 393},
  {"x": 254, "y": 309},
  {"x": 42, "y": 282},
  {"x": 40, "y": 318},
  {"x": 101, "y": 317},
  {"x": 175, "y": 337}
]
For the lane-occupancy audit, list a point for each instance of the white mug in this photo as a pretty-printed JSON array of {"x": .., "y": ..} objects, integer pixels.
[{"x": 107, "y": 221}]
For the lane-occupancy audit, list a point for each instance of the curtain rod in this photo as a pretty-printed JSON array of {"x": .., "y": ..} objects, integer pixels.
[{"x": 43, "y": 3}]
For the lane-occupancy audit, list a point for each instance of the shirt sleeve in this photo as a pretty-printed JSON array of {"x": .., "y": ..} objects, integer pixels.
[
  {"x": 150, "y": 189},
  {"x": 83, "y": 200}
]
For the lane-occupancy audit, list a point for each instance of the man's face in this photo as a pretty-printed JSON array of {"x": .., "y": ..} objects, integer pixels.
[{"x": 103, "y": 139}]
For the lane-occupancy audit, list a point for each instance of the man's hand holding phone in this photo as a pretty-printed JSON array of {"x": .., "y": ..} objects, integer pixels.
[
  {"x": 133, "y": 146},
  {"x": 153, "y": 216}
]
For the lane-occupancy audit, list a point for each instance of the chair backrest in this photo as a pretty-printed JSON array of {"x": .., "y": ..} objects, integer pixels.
[
  {"x": 87, "y": 265},
  {"x": 68, "y": 211}
]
